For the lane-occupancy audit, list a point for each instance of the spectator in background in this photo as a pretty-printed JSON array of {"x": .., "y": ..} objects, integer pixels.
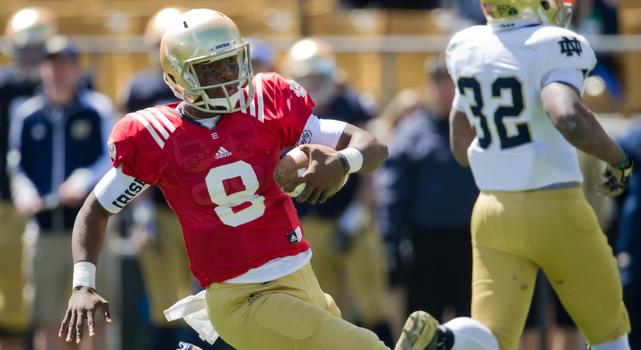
[
  {"x": 262, "y": 55},
  {"x": 57, "y": 154},
  {"x": 347, "y": 250},
  {"x": 629, "y": 238},
  {"x": 403, "y": 104},
  {"x": 147, "y": 88},
  {"x": 26, "y": 33},
  {"x": 427, "y": 197},
  {"x": 468, "y": 13},
  {"x": 601, "y": 17}
]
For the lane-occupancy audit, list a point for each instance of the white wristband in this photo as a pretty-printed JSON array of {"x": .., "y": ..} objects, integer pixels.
[
  {"x": 84, "y": 274},
  {"x": 354, "y": 158}
]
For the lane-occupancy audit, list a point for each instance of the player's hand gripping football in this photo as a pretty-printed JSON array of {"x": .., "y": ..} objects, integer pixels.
[
  {"x": 323, "y": 177},
  {"x": 83, "y": 304},
  {"x": 616, "y": 177}
]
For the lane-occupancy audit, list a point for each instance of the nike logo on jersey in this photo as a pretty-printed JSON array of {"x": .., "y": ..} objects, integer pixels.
[
  {"x": 158, "y": 125},
  {"x": 222, "y": 153}
]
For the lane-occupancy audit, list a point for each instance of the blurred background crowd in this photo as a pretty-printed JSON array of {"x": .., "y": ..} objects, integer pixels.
[{"x": 385, "y": 245}]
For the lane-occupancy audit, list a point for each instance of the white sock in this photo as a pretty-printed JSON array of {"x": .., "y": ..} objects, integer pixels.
[
  {"x": 619, "y": 344},
  {"x": 470, "y": 334}
]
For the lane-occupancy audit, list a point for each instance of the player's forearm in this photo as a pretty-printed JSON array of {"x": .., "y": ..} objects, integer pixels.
[
  {"x": 89, "y": 231},
  {"x": 578, "y": 125},
  {"x": 589, "y": 137},
  {"x": 374, "y": 151},
  {"x": 461, "y": 136}
]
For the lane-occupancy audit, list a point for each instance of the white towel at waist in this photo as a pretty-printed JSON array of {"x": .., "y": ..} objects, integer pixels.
[{"x": 193, "y": 309}]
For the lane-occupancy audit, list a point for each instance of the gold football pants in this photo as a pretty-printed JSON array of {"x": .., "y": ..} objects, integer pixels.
[
  {"x": 355, "y": 278},
  {"x": 291, "y": 313},
  {"x": 516, "y": 233}
]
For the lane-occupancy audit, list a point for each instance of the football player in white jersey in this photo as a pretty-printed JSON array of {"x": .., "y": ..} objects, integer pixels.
[{"x": 517, "y": 120}]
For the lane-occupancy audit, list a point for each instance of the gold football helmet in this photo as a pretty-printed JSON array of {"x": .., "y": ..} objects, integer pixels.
[
  {"x": 158, "y": 23},
  {"x": 205, "y": 37},
  {"x": 30, "y": 26},
  {"x": 27, "y": 32},
  {"x": 311, "y": 62},
  {"x": 554, "y": 12},
  {"x": 310, "y": 56}
]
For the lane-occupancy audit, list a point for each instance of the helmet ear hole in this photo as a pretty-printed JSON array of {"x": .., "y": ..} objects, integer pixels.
[{"x": 545, "y": 5}]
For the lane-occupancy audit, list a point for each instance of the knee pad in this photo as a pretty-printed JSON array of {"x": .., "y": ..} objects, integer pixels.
[{"x": 470, "y": 334}]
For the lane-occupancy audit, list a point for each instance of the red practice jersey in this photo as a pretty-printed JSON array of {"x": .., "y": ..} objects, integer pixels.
[{"x": 219, "y": 181}]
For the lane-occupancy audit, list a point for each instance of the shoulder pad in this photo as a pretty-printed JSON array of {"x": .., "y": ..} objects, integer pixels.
[
  {"x": 138, "y": 139},
  {"x": 559, "y": 48},
  {"x": 467, "y": 36},
  {"x": 152, "y": 124},
  {"x": 275, "y": 97}
]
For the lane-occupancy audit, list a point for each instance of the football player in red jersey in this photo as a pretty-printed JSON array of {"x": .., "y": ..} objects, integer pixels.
[{"x": 213, "y": 156}]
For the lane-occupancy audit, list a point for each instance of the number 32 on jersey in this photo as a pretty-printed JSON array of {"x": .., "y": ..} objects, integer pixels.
[{"x": 513, "y": 110}]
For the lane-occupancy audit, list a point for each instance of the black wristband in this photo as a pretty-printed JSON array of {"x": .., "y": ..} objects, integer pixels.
[{"x": 344, "y": 162}]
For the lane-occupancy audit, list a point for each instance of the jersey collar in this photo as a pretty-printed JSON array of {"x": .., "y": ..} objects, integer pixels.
[{"x": 208, "y": 123}]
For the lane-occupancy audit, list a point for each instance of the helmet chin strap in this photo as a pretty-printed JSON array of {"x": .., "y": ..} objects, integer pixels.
[{"x": 224, "y": 102}]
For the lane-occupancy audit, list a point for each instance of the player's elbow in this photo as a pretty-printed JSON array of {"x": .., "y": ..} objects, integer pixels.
[
  {"x": 92, "y": 211},
  {"x": 384, "y": 151},
  {"x": 568, "y": 120},
  {"x": 565, "y": 109},
  {"x": 459, "y": 151},
  {"x": 379, "y": 153}
]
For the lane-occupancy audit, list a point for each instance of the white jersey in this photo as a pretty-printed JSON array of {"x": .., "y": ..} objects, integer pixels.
[{"x": 499, "y": 75}]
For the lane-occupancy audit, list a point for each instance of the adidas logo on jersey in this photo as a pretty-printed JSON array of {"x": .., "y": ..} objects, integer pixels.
[
  {"x": 222, "y": 153},
  {"x": 296, "y": 236}
]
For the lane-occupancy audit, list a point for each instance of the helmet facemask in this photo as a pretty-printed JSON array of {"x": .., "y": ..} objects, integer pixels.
[
  {"x": 561, "y": 13},
  {"x": 215, "y": 98}
]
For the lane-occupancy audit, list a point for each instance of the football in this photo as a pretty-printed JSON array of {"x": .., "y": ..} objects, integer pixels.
[{"x": 293, "y": 164}]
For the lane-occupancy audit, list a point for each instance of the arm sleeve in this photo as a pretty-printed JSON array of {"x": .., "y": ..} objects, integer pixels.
[
  {"x": 321, "y": 131},
  {"x": 572, "y": 77},
  {"x": 115, "y": 190}
]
